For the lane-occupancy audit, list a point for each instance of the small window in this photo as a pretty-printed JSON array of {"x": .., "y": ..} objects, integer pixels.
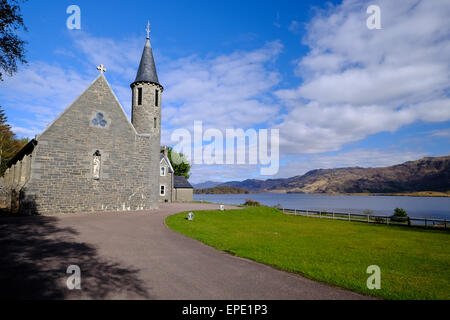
[
  {"x": 155, "y": 122},
  {"x": 156, "y": 97},
  {"x": 139, "y": 96},
  {"x": 163, "y": 171},
  {"x": 163, "y": 190}
]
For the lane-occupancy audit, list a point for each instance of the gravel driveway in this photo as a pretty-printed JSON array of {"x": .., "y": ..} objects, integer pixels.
[{"x": 135, "y": 256}]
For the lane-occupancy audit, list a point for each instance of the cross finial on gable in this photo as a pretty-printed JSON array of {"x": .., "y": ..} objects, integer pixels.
[
  {"x": 101, "y": 68},
  {"x": 148, "y": 29}
]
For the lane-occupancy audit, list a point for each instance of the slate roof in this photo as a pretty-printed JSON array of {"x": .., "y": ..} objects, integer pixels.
[
  {"x": 26, "y": 150},
  {"x": 147, "y": 67},
  {"x": 180, "y": 182}
]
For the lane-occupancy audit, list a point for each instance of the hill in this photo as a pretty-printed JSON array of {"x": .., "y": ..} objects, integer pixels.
[
  {"x": 427, "y": 174},
  {"x": 206, "y": 185}
]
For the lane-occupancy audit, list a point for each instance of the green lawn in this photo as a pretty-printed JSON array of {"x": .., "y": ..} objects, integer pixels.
[{"x": 415, "y": 263}]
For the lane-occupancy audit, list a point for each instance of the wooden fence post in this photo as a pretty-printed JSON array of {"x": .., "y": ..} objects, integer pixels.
[
  {"x": 368, "y": 218},
  {"x": 333, "y": 215},
  {"x": 409, "y": 222},
  {"x": 349, "y": 217},
  {"x": 387, "y": 220}
]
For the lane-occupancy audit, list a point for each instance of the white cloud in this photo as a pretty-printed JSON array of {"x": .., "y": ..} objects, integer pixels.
[
  {"x": 444, "y": 133},
  {"x": 223, "y": 91},
  {"x": 119, "y": 56},
  {"x": 358, "y": 82}
]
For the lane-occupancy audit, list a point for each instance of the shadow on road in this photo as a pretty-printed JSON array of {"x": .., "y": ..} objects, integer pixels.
[{"x": 35, "y": 253}]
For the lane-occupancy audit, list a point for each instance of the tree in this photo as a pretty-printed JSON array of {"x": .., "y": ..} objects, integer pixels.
[
  {"x": 11, "y": 47},
  {"x": 179, "y": 163},
  {"x": 9, "y": 144},
  {"x": 399, "y": 212},
  {"x": 400, "y": 215}
]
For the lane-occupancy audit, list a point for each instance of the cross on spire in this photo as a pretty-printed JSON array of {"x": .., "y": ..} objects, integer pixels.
[
  {"x": 148, "y": 29},
  {"x": 101, "y": 68}
]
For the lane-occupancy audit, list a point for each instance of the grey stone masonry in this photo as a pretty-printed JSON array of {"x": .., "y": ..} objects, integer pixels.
[
  {"x": 146, "y": 111},
  {"x": 94, "y": 133}
]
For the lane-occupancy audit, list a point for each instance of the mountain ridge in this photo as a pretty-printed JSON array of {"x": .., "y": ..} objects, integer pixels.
[{"x": 426, "y": 174}]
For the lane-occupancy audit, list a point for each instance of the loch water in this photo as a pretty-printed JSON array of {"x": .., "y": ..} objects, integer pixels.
[{"x": 418, "y": 207}]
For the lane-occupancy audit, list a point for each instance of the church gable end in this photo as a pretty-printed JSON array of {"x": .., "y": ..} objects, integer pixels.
[
  {"x": 96, "y": 108},
  {"x": 91, "y": 159}
]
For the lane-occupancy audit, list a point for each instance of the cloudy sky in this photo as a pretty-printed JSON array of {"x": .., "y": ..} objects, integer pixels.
[{"x": 340, "y": 94}]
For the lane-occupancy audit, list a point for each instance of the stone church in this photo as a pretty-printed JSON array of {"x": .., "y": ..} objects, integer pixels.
[{"x": 92, "y": 158}]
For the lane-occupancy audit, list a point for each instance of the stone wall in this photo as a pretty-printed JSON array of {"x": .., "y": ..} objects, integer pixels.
[
  {"x": 184, "y": 195},
  {"x": 62, "y": 166}
]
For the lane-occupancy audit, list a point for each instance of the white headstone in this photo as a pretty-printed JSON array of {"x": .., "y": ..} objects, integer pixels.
[
  {"x": 222, "y": 207},
  {"x": 190, "y": 216}
]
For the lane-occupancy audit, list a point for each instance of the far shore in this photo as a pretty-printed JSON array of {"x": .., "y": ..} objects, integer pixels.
[{"x": 406, "y": 194}]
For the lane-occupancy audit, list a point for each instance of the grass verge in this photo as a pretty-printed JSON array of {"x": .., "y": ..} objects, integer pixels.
[{"x": 415, "y": 263}]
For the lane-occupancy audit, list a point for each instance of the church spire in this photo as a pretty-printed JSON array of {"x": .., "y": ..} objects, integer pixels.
[{"x": 147, "y": 68}]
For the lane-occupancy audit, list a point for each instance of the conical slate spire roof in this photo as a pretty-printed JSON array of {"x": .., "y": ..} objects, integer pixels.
[{"x": 147, "y": 68}]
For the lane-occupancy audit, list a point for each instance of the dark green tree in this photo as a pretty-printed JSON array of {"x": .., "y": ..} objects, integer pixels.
[
  {"x": 399, "y": 212},
  {"x": 12, "y": 48},
  {"x": 180, "y": 165}
]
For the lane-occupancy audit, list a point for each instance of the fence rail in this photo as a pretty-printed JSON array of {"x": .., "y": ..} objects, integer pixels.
[{"x": 367, "y": 218}]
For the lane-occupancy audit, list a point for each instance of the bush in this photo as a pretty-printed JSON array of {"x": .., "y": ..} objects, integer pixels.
[
  {"x": 399, "y": 212},
  {"x": 368, "y": 212},
  {"x": 400, "y": 215},
  {"x": 252, "y": 203}
]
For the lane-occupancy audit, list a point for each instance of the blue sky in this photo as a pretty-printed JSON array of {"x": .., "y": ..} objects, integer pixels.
[{"x": 341, "y": 94}]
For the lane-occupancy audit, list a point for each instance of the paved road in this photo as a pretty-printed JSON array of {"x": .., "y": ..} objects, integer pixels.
[{"x": 135, "y": 256}]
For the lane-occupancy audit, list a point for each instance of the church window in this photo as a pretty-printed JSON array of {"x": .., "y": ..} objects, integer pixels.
[
  {"x": 162, "y": 190},
  {"x": 156, "y": 97},
  {"x": 163, "y": 171},
  {"x": 139, "y": 96},
  {"x": 155, "y": 121},
  {"x": 99, "y": 120}
]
